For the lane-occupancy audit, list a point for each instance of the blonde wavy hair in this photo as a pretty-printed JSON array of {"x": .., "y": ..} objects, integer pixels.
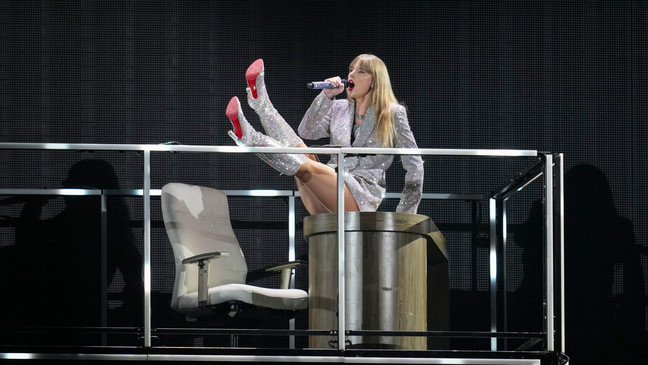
[{"x": 382, "y": 97}]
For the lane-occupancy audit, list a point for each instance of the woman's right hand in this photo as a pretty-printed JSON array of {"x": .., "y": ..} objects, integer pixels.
[{"x": 337, "y": 81}]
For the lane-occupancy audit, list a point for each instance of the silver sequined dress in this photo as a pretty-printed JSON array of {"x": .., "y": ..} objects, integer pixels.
[{"x": 365, "y": 175}]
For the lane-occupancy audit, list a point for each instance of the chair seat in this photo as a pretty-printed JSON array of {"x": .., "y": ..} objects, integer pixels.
[{"x": 284, "y": 299}]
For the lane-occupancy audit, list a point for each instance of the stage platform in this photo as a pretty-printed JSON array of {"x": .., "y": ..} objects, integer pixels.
[
  {"x": 177, "y": 355},
  {"x": 152, "y": 313}
]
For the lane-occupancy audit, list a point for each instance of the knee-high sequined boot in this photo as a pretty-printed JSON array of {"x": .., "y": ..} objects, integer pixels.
[
  {"x": 245, "y": 135},
  {"x": 273, "y": 123}
]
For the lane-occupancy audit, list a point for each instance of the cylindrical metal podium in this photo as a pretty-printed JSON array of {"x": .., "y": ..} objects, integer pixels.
[{"x": 387, "y": 256}]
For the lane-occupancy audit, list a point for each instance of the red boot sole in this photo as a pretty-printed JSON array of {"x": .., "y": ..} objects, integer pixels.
[
  {"x": 232, "y": 114},
  {"x": 251, "y": 75}
]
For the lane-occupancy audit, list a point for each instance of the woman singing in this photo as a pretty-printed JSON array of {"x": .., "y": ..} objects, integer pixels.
[{"x": 369, "y": 117}]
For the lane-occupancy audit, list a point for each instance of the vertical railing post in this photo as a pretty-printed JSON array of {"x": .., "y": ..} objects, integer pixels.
[
  {"x": 104, "y": 266},
  {"x": 147, "y": 247},
  {"x": 560, "y": 181},
  {"x": 291, "y": 257},
  {"x": 502, "y": 268},
  {"x": 549, "y": 250},
  {"x": 492, "y": 262},
  {"x": 341, "y": 256}
]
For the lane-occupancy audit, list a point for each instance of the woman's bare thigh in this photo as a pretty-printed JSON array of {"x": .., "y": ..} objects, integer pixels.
[{"x": 317, "y": 185}]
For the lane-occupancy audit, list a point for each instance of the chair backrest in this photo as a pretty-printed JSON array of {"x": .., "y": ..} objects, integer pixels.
[{"x": 197, "y": 221}]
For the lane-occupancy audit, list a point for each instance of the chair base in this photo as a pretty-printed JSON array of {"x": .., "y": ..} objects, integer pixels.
[{"x": 237, "y": 315}]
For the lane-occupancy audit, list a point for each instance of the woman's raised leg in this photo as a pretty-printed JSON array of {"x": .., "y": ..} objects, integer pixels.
[
  {"x": 257, "y": 95},
  {"x": 245, "y": 135}
]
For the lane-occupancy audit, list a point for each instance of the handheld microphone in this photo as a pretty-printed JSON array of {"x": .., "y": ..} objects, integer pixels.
[{"x": 317, "y": 85}]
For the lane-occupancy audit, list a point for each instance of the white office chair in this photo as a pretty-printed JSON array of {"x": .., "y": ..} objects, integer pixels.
[{"x": 210, "y": 267}]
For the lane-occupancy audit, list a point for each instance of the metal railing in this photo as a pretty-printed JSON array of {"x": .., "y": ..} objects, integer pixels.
[{"x": 553, "y": 213}]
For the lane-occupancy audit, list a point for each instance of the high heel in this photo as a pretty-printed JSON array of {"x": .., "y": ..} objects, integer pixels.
[
  {"x": 232, "y": 113},
  {"x": 246, "y": 136},
  {"x": 251, "y": 74}
]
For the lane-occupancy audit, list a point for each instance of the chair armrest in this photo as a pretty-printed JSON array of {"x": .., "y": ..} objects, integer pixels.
[
  {"x": 288, "y": 265},
  {"x": 203, "y": 257},
  {"x": 286, "y": 271},
  {"x": 203, "y": 272}
]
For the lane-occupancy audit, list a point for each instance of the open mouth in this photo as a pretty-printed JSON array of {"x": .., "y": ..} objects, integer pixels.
[{"x": 350, "y": 85}]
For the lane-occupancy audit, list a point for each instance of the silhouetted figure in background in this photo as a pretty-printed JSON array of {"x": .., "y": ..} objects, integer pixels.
[
  {"x": 604, "y": 283},
  {"x": 58, "y": 261}
]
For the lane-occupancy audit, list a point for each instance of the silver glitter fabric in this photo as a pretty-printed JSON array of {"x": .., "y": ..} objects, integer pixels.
[
  {"x": 287, "y": 164},
  {"x": 365, "y": 175},
  {"x": 273, "y": 123}
]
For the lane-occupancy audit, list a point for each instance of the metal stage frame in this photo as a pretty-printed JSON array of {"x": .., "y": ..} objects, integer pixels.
[{"x": 547, "y": 168}]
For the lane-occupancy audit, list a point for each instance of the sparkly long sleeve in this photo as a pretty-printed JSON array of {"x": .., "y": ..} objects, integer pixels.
[
  {"x": 413, "y": 164},
  {"x": 316, "y": 122}
]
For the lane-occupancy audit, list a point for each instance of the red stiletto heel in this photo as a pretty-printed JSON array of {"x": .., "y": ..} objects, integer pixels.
[
  {"x": 232, "y": 114},
  {"x": 251, "y": 74}
]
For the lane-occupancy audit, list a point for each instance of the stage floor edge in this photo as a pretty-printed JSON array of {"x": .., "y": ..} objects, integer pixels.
[{"x": 171, "y": 355}]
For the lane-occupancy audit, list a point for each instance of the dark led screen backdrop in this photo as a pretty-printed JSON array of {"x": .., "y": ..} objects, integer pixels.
[{"x": 560, "y": 76}]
